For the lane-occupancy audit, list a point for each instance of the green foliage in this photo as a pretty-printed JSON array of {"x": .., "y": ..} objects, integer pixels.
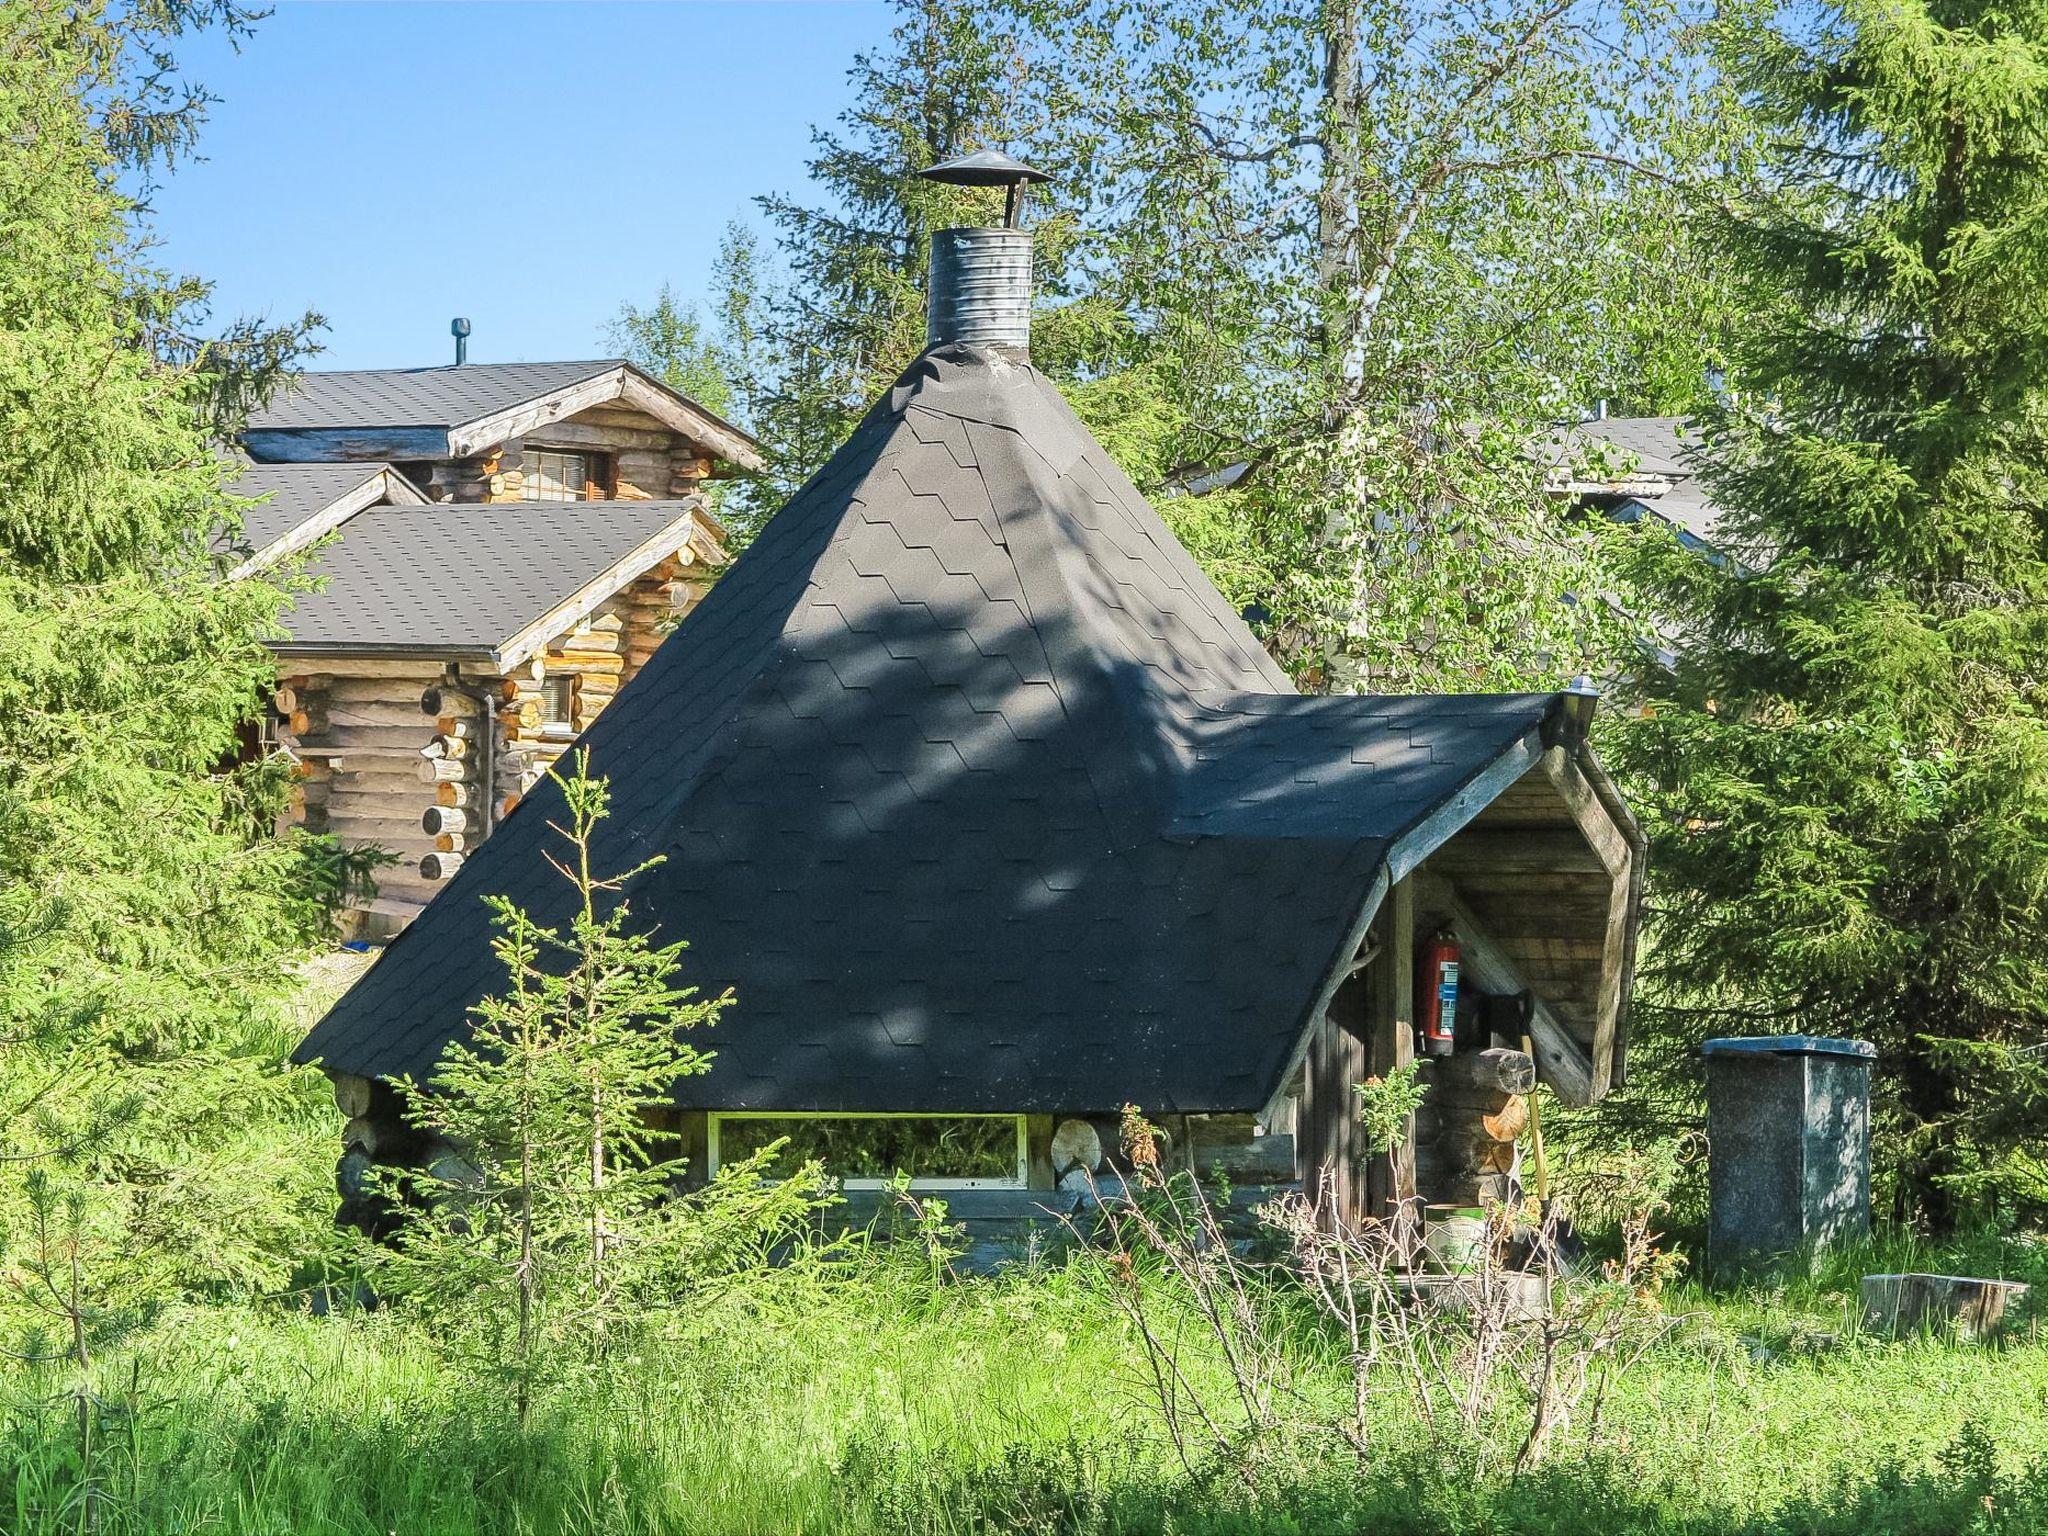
[
  {"x": 872, "y": 1400},
  {"x": 670, "y": 341},
  {"x": 1385, "y": 1103},
  {"x": 149, "y": 923},
  {"x": 544, "y": 1238},
  {"x": 1845, "y": 771},
  {"x": 1367, "y": 255}
]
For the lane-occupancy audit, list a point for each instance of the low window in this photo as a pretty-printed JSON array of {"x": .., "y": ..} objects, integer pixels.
[
  {"x": 552, "y": 475},
  {"x": 937, "y": 1151},
  {"x": 558, "y": 702}
]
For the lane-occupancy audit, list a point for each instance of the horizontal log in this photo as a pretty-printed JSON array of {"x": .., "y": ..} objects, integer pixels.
[
  {"x": 440, "y": 819},
  {"x": 456, "y": 793},
  {"x": 351, "y": 1094},
  {"x": 339, "y": 738},
  {"x": 440, "y": 866},
  {"x": 1496, "y": 1070},
  {"x": 594, "y": 641},
  {"x": 1470, "y": 1149},
  {"x": 370, "y": 821},
  {"x": 444, "y": 701},
  {"x": 331, "y": 669},
  {"x": 437, "y": 770},
  {"x": 524, "y": 715},
  {"x": 453, "y": 748},
  {"x": 374, "y": 714}
]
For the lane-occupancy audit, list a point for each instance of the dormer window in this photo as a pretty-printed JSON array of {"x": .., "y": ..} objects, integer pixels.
[{"x": 555, "y": 475}]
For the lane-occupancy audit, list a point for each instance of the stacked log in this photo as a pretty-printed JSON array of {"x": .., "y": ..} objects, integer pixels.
[
  {"x": 1468, "y": 1126},
  {"x": 457, "y": 772}
]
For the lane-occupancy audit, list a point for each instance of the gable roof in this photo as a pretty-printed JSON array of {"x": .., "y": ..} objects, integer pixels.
[
  {"x": 978, "y": 794},
  {"x": 306, "y": 502},
  {"x": 1662, "y": 445},
  {"x": 476, "y": 579},
  {"x": 462, "y": 409}
]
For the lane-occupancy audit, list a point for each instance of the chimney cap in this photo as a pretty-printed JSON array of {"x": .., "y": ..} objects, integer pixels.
[{"x": 984, "y": 168}]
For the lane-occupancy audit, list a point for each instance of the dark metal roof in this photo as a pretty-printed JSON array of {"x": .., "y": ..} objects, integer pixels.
[
  {"x": 975, "y": 791},
  {"x": 416, "y": 397},
  {"x": 983, "y": 168},
  {"x": 297, "y": 492},
  {"x": 464, "y": 577}
]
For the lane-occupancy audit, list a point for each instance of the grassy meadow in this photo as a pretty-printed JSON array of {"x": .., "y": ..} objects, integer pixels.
[{"x": 882, "y": 1399}]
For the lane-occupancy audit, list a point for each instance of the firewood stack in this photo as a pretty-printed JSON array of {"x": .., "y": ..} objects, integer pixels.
[{"x": 1466, "y": 1130}]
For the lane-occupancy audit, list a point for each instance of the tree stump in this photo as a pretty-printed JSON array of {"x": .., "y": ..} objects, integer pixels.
[{"x": 1948, "y": 1305}]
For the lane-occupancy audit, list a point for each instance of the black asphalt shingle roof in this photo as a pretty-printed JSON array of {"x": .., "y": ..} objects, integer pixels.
[
  {"x": 465, "y": 576},
  {"x": 297, "y": 493},
  {"x": 415, "y": 397},
  {"x": 974, "y": 790}
]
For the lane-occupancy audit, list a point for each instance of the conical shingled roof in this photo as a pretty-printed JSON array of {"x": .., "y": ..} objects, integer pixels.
[{"x": 975, "y": 791}]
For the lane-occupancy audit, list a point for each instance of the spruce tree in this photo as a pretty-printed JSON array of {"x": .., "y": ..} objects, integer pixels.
[
  {"x": 1845, "y": 768},
  {"x": 548, "y": 1235},
  {"x": 149, "y": 922}
]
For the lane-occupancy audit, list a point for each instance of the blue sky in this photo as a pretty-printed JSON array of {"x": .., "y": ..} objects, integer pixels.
[{"x": 527, "y": 164}]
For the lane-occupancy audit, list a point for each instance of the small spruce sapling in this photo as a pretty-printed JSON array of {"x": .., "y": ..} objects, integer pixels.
[{"x": 545, "y": 1233}]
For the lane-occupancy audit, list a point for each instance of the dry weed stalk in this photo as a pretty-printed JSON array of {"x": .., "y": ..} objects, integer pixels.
[{"x": 1505, "y": 1355}]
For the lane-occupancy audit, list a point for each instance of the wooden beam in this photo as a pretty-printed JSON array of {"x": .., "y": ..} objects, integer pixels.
[
  {"x": 1328, "y": 1132},
  {"x": 684, "y": 415},
  {"x": 1559, "y": 1056},
  {"x": 564, "y": 617},
  {"x": 1612, "y": 844},
  {"x": 1448, "y": 819},
  {"x": 487, "y": 432},
  {"x": 1481, "y": 850}
]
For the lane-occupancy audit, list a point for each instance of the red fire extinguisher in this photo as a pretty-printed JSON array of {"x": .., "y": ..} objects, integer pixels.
[{"x": 1436, "y": 994}]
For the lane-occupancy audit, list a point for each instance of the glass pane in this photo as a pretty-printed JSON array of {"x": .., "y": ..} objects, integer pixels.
[
  {"x": 557, "y": 699},
  {"x": 855, "y": 1147},
  {"x": 555, "y": 476}
]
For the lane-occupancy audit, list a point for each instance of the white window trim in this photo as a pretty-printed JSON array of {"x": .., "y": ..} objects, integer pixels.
[{"x": 1021, "y": 1181}]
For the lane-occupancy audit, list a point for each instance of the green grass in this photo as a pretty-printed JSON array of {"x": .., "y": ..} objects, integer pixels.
[{"x": 885, "y": 1403}]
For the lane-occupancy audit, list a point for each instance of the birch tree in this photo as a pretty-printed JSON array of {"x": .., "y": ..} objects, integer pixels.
[{"x": 1374, "y": 252}]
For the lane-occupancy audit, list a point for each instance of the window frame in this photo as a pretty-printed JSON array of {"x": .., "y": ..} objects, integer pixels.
[
  {"x": 566, "y": 682},
  {"x": 597, "y": 482},
  {"x": 1022, "y": 1180}
]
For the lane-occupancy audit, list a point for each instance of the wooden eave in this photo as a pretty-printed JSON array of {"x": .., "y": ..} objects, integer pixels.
[{"x": 720, "y": 438}]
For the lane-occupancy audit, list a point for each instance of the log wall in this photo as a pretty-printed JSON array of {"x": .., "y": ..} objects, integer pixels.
[{"x": 389, "y": 758}]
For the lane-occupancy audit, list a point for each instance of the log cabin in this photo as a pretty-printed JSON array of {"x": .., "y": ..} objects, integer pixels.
[
  {"x": 997, "y": 818},
  {"x": 499, "y": 548}
]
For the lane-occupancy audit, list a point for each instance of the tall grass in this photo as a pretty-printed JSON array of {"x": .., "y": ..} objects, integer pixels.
[{"x": 884, "y": 1402}]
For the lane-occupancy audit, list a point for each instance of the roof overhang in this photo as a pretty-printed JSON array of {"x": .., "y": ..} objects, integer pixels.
[
  {"x": 675, "y": 411},
  {"x": 718, "y": 437},
  {"x": 1557, "y": 751}
]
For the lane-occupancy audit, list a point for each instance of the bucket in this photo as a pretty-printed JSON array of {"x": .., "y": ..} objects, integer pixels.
[{"x": 1454, "y": 1236}]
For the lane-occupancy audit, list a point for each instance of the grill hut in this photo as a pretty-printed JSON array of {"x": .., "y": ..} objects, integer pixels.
[{"x": 996, "y": 817}]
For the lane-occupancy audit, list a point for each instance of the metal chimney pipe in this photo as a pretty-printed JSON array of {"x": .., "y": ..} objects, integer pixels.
[
  {"x": 981, "y": 278},
  {"x": 980, "y": 288},
  {"x": 459, "y": 329}
]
